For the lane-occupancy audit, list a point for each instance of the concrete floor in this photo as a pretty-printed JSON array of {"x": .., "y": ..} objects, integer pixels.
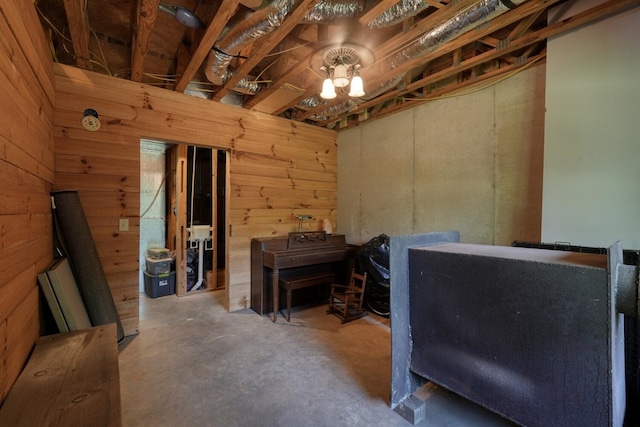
[{"x": 194, "y": 364}]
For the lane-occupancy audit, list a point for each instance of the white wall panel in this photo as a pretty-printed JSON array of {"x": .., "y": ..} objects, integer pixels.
[{"x": 592, "y": 155}]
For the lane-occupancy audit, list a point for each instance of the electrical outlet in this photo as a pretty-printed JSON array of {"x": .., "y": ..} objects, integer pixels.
[{"x": 123, "y": 224}]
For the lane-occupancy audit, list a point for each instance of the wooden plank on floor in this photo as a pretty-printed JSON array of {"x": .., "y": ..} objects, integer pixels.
[{"x": 70, "y": 379}]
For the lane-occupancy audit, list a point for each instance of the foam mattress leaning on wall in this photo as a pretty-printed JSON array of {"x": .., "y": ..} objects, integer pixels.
[{"x": 78, "y": 243}]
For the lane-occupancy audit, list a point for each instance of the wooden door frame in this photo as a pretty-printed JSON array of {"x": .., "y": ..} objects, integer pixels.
[{"x": 178, "y": 222}]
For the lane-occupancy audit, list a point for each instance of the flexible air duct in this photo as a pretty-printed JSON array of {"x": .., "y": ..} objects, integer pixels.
[
  {"x": 465, "y": 21},
  {"x": 329, "y": 11},
  {"x": 264, "y": 21},
  {"x": 398, "y": 13},
  {"x": 259, "y": 24}
]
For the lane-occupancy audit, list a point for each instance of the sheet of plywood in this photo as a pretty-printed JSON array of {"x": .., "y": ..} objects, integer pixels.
[
  {"x": 70, "y": 379},
  {"x": 68, "y": 296},
  {"x": 52, "y": 301}
]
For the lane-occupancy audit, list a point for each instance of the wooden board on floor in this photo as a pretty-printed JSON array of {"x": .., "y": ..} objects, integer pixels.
[{"x": 70, "y": 379}]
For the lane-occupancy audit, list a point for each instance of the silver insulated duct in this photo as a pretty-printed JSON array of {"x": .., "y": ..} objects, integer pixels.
[
  {"x": 468, "y": 19},
  {"x": 465, "y": 21},
  {"x": 264, "y": 21},
  {"x": 259, "y": 24},
  {"x": 398, "y": 13},
  {"x": 327, "y": 11}
]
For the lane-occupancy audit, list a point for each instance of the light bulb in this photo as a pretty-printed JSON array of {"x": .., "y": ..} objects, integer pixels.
[
  {"x": 357, "y": 88},
  {"x": 328, "y": 91}
]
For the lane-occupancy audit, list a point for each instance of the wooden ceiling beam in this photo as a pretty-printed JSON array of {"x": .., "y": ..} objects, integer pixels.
[
  {"x": 285, "y": 76},
  {"x": 419, "y": 28},
  {"x": 489, "y": 41},
  {"x": 294, "y": 17},
  {"x": 524, "y": 25},
  {"x": 293, "y": 72},
  {"x": 486, "y": 79},
  {"x": 145, "y": 21},
  {"x": 294, "y": 102},
  {"x": 442, "y": 75},
  {"x": 79, "y": 27},
  {"x": 376, "y": 10},
  {"x": 435, "y": 3},
  {"x": 375, "y": 77},
  {"x": 225, "y": 12},
  {"x": 597, "y": 12}
]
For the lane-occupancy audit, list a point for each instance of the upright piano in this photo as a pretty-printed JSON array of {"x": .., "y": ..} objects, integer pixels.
[{"x": 298, "y": 254}]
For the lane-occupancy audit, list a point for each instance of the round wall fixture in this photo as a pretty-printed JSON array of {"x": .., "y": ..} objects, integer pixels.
[{"x": 90, "y": 120}]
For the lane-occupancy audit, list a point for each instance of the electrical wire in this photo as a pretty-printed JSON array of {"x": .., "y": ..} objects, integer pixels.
[
  {"x": 156, "y": 195},
  {"x": 287, "y": 50},
  {"x": 53, "y": 27},
  {"x": 106, "y": 67},
  {"x": 159, "y": 77},
  {"x": 103, "y": 64},
  {"x": 265, "y": 69},
  {"x": 478, "y": 89}
]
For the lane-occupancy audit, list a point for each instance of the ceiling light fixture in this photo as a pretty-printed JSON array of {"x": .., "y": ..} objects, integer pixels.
[
  {"x": 339, "y": 76},
  {"x": 182, "y": 15},
  {"x": 341, "y": 67}
]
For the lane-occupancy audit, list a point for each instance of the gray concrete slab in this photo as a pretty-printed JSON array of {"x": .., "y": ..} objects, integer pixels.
[{"x": 195, "y": 364}]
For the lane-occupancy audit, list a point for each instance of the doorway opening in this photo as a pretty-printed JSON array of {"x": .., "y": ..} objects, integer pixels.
[{"x": 189, "y": 186}]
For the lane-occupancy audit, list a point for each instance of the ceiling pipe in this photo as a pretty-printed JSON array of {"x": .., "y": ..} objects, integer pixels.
[
  {"x": 463, "y": 22},
  {"x": 264, "y": 21},
  {"x": 398, "y": 13},
  {"x": 260, "y": 23},
  {"x": 329, "y": 11},
  {"x": 267, "y": 19}
]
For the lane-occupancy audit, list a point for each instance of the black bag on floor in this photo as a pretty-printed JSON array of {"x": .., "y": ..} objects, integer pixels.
[{"x": 373, "y": 258}]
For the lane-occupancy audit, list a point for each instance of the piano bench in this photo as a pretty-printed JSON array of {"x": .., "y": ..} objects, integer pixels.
[{"x": 300, "y": 282}]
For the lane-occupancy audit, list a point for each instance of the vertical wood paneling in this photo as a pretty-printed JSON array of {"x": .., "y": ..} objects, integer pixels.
[
  {"x": 278, "y": 168},
  {"x": 26, "y": 173}
]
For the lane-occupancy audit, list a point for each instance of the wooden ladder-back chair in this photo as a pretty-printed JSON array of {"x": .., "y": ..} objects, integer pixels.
[{"x": 346, "y": 301}]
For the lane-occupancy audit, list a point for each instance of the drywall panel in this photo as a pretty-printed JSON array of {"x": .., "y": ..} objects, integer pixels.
[
  {"x": 519, "y": 156},
  {"x": 591, "y": 173},
  {"x": 349, "y": 149},
  {"x": 454, "y": 173},
  {"x": 386, "y": 177},
  {"x": 471, "y": 163}
]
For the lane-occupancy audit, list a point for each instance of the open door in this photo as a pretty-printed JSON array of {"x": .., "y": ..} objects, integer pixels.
[{"x": 196, "y": 211}]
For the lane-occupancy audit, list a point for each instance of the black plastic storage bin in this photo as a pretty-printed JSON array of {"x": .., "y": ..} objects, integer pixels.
[{"x": 159, "y": 285}]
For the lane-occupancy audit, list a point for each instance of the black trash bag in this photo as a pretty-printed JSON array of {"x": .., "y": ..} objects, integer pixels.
[{"x": 373, "y": 258}]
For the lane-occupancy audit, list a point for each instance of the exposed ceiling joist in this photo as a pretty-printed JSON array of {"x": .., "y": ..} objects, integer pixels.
[
  {"x": 287, "y": 58},
  {"x": 145, "y": 21},
  {"x": 294, "y": 17},
  {"x": 79, "y": 28},
  {"x": 225, "y": 12},
  {"x": 526, "y": 41},
  {"x": 379, "y": 76}
]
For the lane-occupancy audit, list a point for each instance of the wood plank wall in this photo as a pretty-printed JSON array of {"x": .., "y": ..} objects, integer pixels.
[
  {"x": 26, "y": 174},
  {"x": 278, "y": 169}
]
